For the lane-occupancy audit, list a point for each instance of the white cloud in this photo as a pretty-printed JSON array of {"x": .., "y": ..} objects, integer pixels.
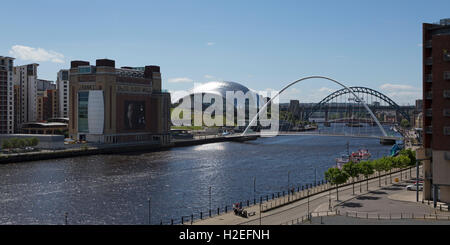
[
  {"x": 210, "y": 43},
  {"x": 35, "y": 54},
  {"x": 177, "y": 95},
  {"x": 180, "y": 80},
  {"x": 325, "y": 89},
  {"x": 395, "y": 87},
  {"x": 208, "y": 76},
  {"x": 402, "y": 93}
]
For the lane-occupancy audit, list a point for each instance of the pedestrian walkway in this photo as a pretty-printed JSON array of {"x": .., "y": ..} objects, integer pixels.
[{"x": 298, "y": 204}]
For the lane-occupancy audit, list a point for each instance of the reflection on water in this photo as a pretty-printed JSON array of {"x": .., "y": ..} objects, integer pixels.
[{"x": 114, "y": 189}]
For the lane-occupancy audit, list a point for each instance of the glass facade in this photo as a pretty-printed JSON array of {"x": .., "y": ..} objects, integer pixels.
[
  {"x": 84, "y": 69},
  {"x": 83, "y": 100}
]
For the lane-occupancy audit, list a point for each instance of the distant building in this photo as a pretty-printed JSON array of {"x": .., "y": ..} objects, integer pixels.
[
  {"x": 47, "y": 106},
  {"x": 6, "y": 95},
  {"x": 294, "y": 108},
  {"x": 436, "y": 109},
  {"x": 114, "y": 105},
  {"x": 62, "y": 86},
  {"x": 25, "y": 79}
]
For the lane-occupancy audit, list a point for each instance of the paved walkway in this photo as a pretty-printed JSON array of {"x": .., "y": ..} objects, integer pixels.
[{"x": 365, "y": 201}]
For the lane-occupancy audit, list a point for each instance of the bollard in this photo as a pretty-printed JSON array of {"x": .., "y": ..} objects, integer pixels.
[
  {"x": 171, "y": 221},
  {"x": 278, "y": 194},
  {"x": 160, "y": 223},
  {"x": 182, "y": 220},
  {"x": 267, "y": 198},
  {"x": 201, "y": 215},
  {"x": 226, "y": 209},
  {"x": 65, "y": 218},
  {"x": 218, "y": 211},
  {"x": 248, "y": 203},
  {"x": 210, "y": 213},
  {"x": 192, "y": 218},
  {"x": 260, "y": 199},
  {"x": 283, "y": 193},
  {"x": 254, "y": 201},
  {"x": 273, "y": 196}
]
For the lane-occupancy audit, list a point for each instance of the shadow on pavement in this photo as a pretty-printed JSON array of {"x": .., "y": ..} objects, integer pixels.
[
  {"x": 367, "y": 198},
  {"x": 351, "y": 205},
  {"x": 378, "y": 192},
  {"x": 392, "y": 188}
]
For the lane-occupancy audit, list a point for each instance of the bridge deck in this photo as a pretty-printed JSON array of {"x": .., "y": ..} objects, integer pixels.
[{"x": 325, "y": 134}]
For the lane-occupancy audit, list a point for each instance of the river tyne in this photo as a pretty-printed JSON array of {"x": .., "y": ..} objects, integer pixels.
[{"x": 115, "y": 189}]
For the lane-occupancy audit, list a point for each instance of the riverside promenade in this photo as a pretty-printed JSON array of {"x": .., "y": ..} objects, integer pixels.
[{"x": 382, "y": 196}]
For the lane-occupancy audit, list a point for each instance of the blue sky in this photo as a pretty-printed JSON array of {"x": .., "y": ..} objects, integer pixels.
[{"x": 261, "y": 44}]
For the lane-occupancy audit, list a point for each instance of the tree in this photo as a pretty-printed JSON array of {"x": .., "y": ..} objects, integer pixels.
[
  {"x": 353, "y": 171},
  {"x": 6, "y": 144},
  {"x": 404, "y": 123},
  {"x": 403, "y": 161},
  {"x": 386, "y": 164},
  {"x": 336, "y": 177},
  {"x": 366, "y": 169},
  {"x": 21, "y": 143},
  {"x": 14, "y": 142},
  {"x": 378, "y": 166},
  {"x": 34, "y": 141}
]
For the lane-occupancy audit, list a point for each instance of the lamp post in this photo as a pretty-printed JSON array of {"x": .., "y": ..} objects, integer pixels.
[
  {"x": 417, "y": 177},
  {"x": 308, "y": 204},
  {"x": 149, "y": 211},
  {"x": 254, "y": 188},
  {"x": 210, "y": 199},
  {"x": 289, "y": 192}
]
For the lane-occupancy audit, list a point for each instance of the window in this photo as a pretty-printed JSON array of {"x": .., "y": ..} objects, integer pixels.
[
  {"x": 84, "y": 69},
  {"x": 446, "y": 130},
  {"x": 447, "y": 94},
  {"x": 446, "y": 75},
  {"x": 83, "y": 98},
  {"x": 446, "y": 112}
]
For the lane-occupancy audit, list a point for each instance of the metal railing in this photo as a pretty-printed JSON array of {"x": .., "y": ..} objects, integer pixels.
[{"x": 368, "y": 215}]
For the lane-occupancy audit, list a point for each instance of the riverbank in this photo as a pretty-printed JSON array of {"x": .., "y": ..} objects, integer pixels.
[{"x": 87, "y": 150}]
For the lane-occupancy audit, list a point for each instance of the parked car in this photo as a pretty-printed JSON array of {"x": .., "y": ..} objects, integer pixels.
[{"x": 413, "y": 187}]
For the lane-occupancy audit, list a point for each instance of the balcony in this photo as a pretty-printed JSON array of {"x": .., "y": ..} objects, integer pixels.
[
  {"x": 429, "y": 61},
  {"x": 429, "y": 130}
]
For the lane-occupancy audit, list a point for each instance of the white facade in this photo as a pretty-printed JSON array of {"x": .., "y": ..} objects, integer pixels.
[
  {"x": 26, "y": 78},
  {"x": 96, "y": 112},
  {"x": 62, "y": 86}
]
